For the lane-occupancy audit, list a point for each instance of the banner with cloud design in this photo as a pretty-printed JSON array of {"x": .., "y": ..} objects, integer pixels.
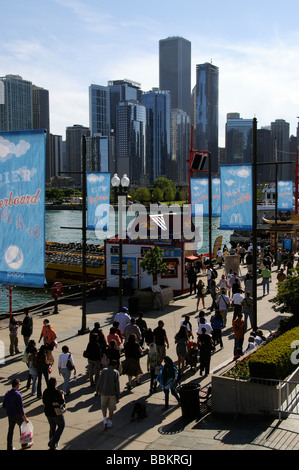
[
  {"x": 98, "y": 200},
  {"x": 22, "y": 208},
  {"x": 200, "y": 195},
  {"x": 285, "y": 195},
  {"x": 236, "y": 197}
]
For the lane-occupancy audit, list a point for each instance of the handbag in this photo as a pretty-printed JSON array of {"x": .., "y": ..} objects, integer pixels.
[
  {"x": 59, "y": 408},
  {"x": 157, "y": 370}
]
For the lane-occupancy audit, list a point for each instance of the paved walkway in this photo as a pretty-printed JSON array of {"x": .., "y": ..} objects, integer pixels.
[{"x": 160, "y": 431}]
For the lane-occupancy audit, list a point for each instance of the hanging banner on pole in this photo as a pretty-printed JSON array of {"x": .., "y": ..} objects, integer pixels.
[
  {"x": 98, "y": 200},
  {"x": 22, "y": 208},
  {"x": 285, "y": 195},
  {"x": 200, "y": 195},
  {"x": 236, "y": 197}
]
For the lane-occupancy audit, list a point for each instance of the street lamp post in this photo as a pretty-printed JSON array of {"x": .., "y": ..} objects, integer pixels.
[{"x": 120, "y": 187}]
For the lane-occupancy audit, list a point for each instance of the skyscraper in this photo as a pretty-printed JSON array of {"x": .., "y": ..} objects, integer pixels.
[
  {"x": 41, "y": 108},
  {"x": 280, "y": 131},
  {"x": 180, "y": 145},
  {"x": 175, "y": 71},
  {"x": 157, "y": 105},
  {"x": 73, "y": 149},
  {"x": 239, "y": 135},
  {"x": 16, "y": 111},
  {"x": 131, "y": 140},
  {"x": 99, "y": 110},
  {"x": 206, "y": 111}
]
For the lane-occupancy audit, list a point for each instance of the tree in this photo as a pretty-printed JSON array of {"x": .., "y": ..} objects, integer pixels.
[
  {"x": 152, "y": 262},
  {"x": 157, "y": 195},
  {"x": 288, "y": 292},
  {"x": 142, "y": 195}
]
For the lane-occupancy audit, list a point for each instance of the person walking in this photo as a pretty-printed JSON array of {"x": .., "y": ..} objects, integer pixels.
[
  {"x": 141, "y": 323},
  {"x": 213, "y": 293},
  {"x": 54, "y": 407},
  {"x": 192, "y": 277},
  {"x": 205, "y": 346},
  {"x": 223, "y": 303},
  {"x": 239, "y": 332},
  {"x": 266, "y": 275},
  {"x": 153, "y": 366},
  {"x": 13, "y": 336},
  {"x": 237, "y": 300},
  {"x": 27, "y": 327},
  {"x": 201, "y": 292},
  {"x": 132, "y": 367},
  {"x": 123, "y": 318},
  {"x": 93, "y": 354},
  {"x": 65, "y": 367},
  {"x": 160, "y": 339},
  {"x": 109, "y": 389},
  {"x": 248, "y": 310},
  {"x": 42, "y": 366},
  {"x": 48, "y": 334},
  {"x": 31, "y": 363},
  {"x": 217, "y": 325},
  {"x": 167, "y": 378},
  {"x": 132, "y": 329},
  {"x": 181, "y": 340},
  {"x": 13, "y": 404}
]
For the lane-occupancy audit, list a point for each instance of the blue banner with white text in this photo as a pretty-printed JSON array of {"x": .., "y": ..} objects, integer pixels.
[
  {"x": 22, "y": 208},
  {"x": 285, "y": 195},
  {"x": 200, "y": 195},
  {"x": 98, "y": 200},
  {"x": 236, "y": 197}
]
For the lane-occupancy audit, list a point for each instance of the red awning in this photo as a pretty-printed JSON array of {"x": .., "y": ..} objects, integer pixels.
[{"x": 192, "y": 258}]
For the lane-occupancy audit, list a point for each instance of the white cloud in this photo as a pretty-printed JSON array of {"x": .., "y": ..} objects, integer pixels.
[{"x": 8, "y": 148}]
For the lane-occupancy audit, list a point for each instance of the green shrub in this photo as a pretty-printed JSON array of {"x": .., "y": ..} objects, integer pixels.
[
  {"x": 288, "y": 292},
  {"x": 273, "y": 360}
]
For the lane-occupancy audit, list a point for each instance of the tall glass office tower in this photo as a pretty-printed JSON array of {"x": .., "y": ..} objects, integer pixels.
[
  {"x": 16, "y": 112},
  {"x": 175, "y": 71},
  {"x": 157, "y": 105},
  {"x": 131, "y": 140},
  {"x": 99, "y": 110},
  {"x": 206, "y": 111},
  {"x": 239, "y": 134}
]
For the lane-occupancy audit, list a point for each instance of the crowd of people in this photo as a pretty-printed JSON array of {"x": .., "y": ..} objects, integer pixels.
[{"x": 129, "y": 339}]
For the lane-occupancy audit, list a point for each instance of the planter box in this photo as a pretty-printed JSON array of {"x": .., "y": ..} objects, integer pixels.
[
  {"x": 146, "y": 297},
  {"x": 236, "y": 396}
]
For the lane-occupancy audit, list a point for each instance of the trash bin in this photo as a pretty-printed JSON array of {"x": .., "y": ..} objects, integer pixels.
[
  {"x": 133, "y": 305},
  {"x": 189, "y": 395}
]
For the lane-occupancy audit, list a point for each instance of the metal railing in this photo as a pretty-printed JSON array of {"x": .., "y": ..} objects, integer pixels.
[{"x": 268, "y": 396}]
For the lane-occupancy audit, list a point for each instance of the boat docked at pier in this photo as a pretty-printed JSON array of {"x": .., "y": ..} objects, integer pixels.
[{"x": 64, "y": 263}]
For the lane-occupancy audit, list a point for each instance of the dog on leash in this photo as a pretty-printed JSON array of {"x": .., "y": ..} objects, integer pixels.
[{"x": 139, "y": 409}]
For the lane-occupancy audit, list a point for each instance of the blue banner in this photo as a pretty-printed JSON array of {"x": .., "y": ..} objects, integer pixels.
[
  {"x": 236, "y": 197},
  {"x": 98, "y": 200},
  {"x": 285, "y": 195},
  {"x": 22, "y": 208},
  {"x": 200, "y": 195}
]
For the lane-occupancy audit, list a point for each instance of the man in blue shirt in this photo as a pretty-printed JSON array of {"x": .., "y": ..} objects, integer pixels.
[{"x": 13, "y": 403}]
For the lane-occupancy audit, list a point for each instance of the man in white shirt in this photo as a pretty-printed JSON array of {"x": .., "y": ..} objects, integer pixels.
[
  {"x": 203, "y": 324},
  {"x": 237, "y": 300},
  {"x": 123, "y": 318},
  {"x": 158, "y": 298}
]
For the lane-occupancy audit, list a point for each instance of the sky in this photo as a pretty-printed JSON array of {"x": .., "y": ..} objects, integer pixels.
[{"x": 65, "y": 46}]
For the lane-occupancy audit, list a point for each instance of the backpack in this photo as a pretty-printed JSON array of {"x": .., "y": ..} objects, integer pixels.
[
  {"x": 214, "y": 274},
  {"x": 69, "y": 364}
]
